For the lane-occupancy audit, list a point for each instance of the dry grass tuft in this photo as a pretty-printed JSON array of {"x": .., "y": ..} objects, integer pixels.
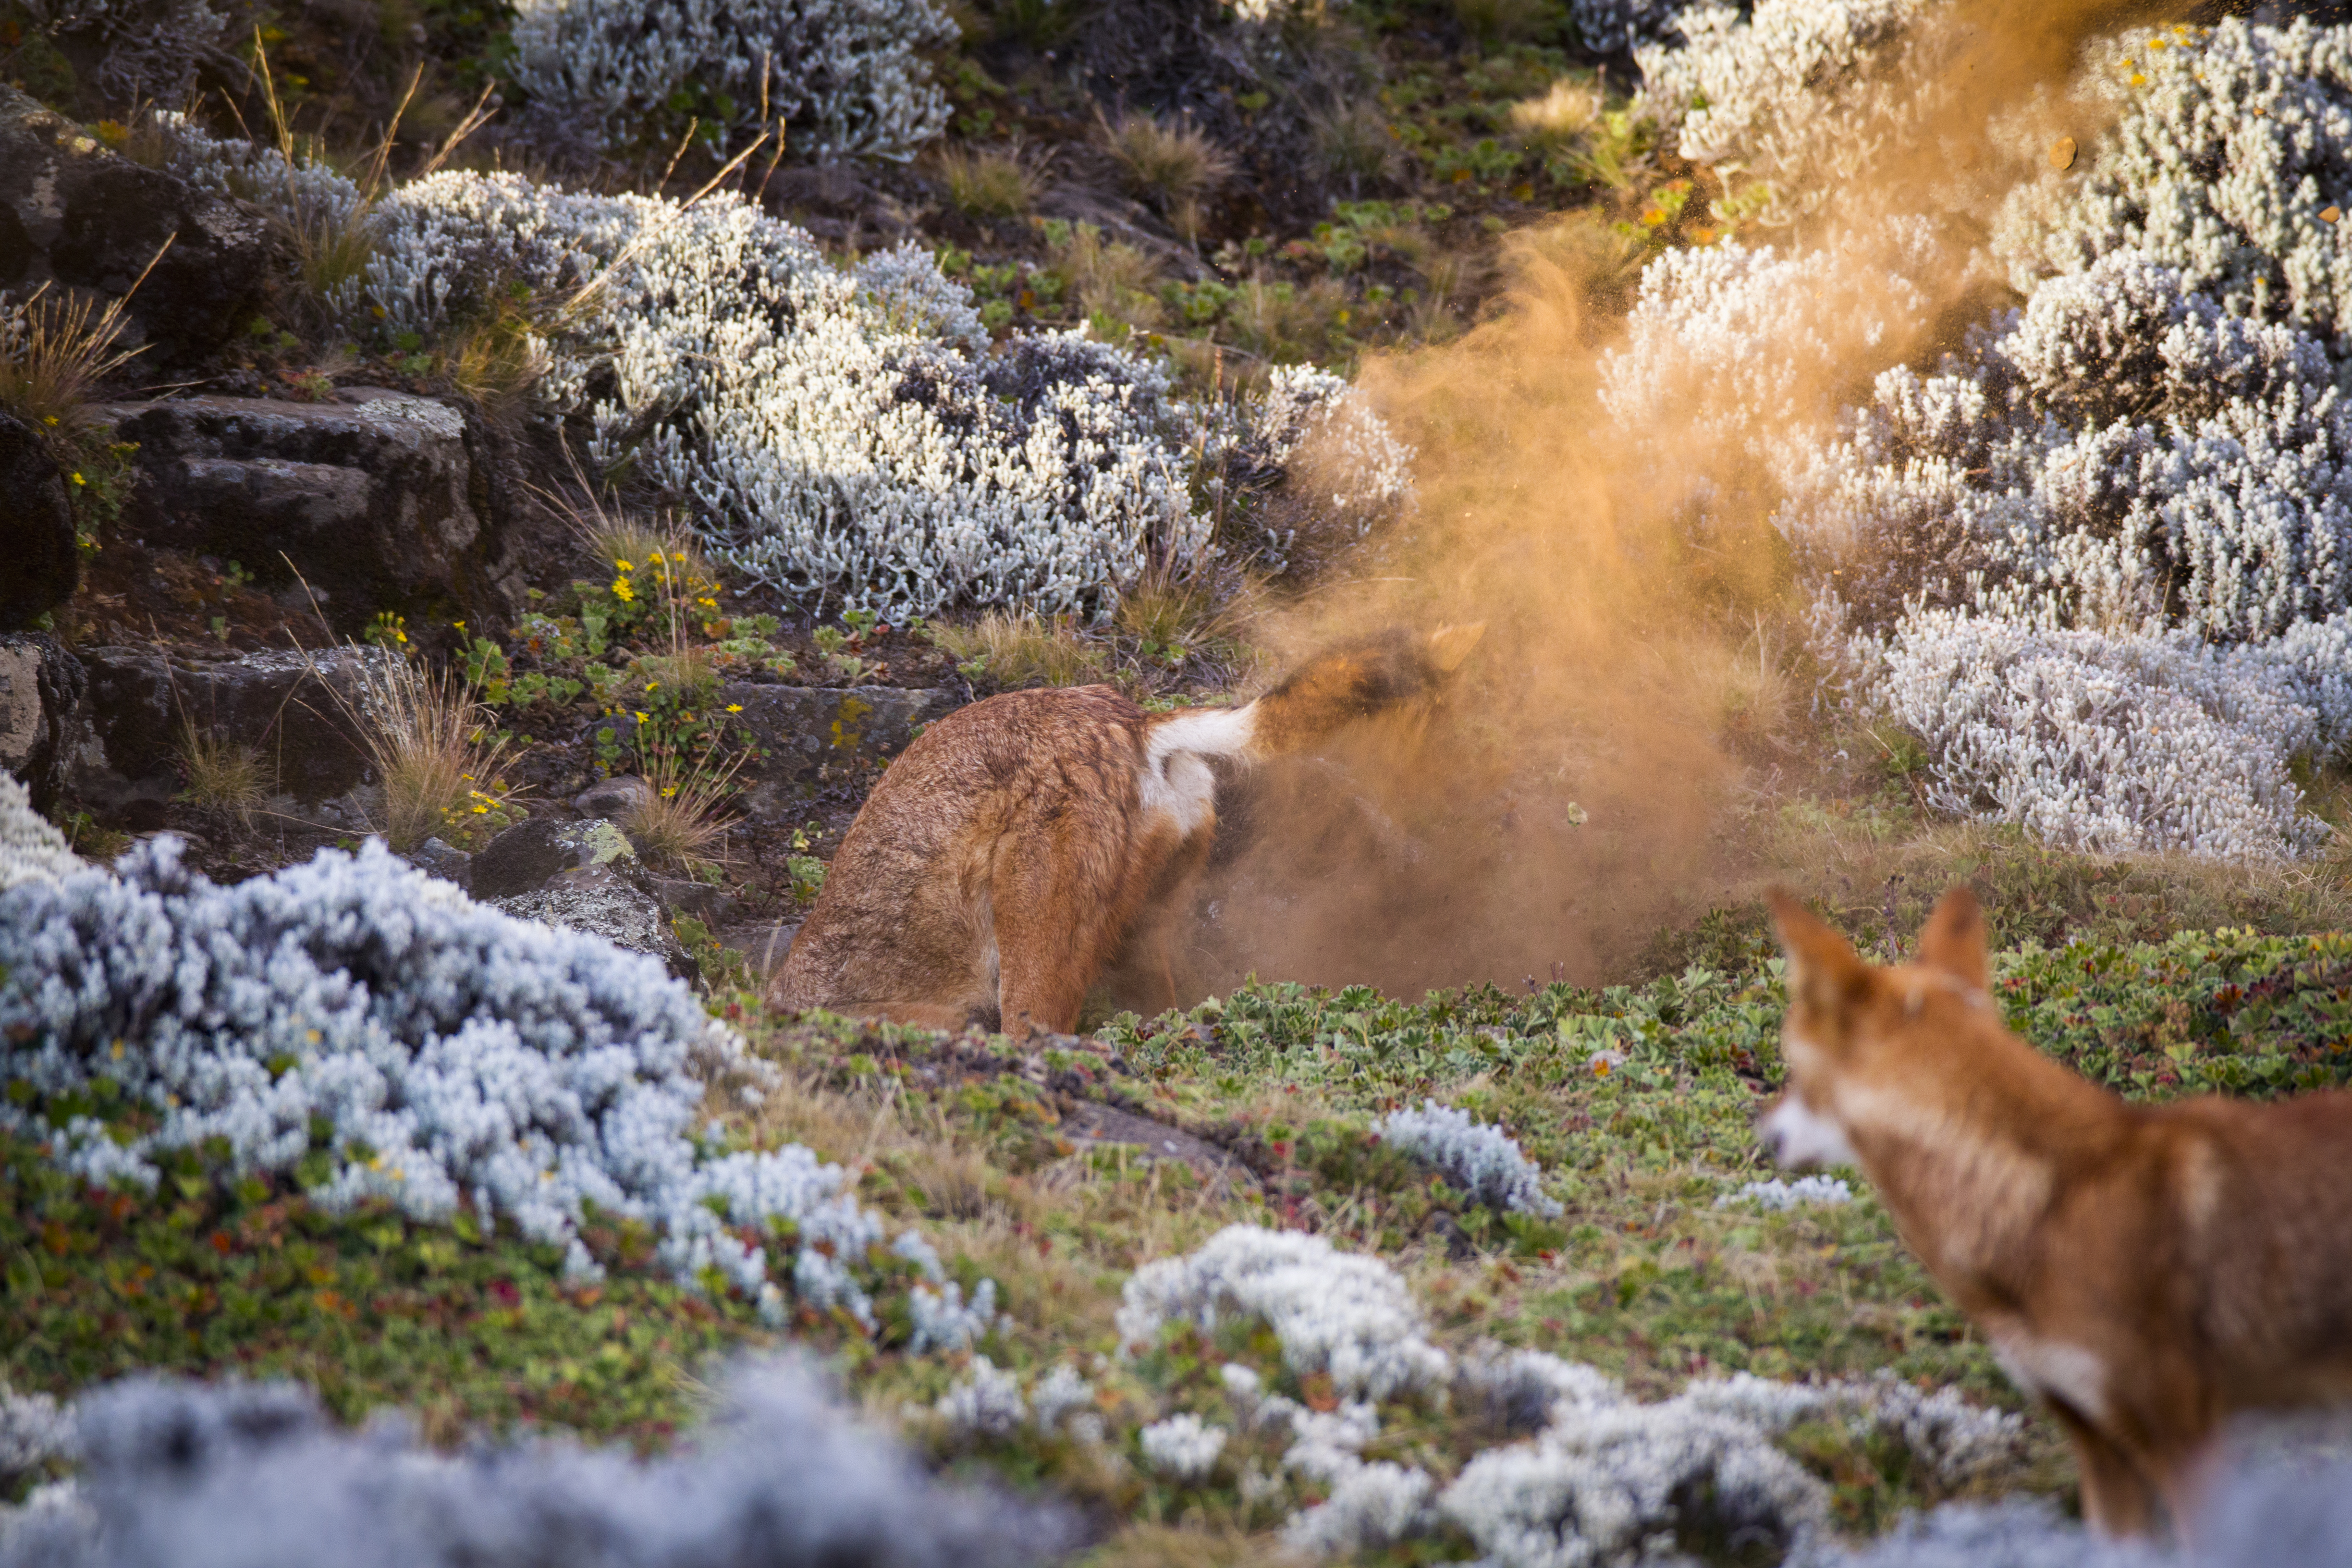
[
  {"x": 496, "y": 361},
  {"x": 1108, "y": 278},
  {"x": 1560, "y": 116},
  {"x": 1167, "y": 165},
  {"x": 1021, "y": 651},
  {"x": 986, "y": 184},
  {"x": 684, "y": 823},
  {"x": 1355, "y": 142},
  {"x": 432, "y": 747},
  {"x": 1171, "y": 608},
  {"x": 54, "y": 352},
  {"x": 224, "y": 776}
]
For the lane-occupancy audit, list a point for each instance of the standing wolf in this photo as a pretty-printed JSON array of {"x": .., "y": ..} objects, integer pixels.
[
  {"x": 1024, "y": 845},
  {"x": 2146, "y": 1270}
]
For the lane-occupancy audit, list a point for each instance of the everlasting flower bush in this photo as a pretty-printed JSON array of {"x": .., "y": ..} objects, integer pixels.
[
  {"x": 255, "y": 1476},
  {"x": 31, "y": 849},
  {"x": 2094, "y": 558},
  {"x": 375, "y": 1034},
  {"x": 1483, "y": 1161},
  {"x": 1795, "y": 98},
  {"x": 1601, "y": 1480},
  {"x": 1334, "y": 1312},
  {"x": 844, "y": 78}
]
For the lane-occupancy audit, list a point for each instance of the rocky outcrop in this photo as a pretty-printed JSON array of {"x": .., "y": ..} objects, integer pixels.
[
  {"x": 373, "y": 499},
  {"x": 37, "y": 520},
  {"x": 77, "y": 216},
  {"x": 297, "y": 710},
  {"x": 41, "y": 687}
]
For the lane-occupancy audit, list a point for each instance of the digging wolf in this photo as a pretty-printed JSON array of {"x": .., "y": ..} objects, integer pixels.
[
  {"x": 1024, "y": 844},
  {"x": 2146, "y": 1271}
]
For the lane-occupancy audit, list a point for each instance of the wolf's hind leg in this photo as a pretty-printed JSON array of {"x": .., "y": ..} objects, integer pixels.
[{"x": 1054, "y": 901}]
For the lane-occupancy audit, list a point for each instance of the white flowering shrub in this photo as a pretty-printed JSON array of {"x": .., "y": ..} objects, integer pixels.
[
  {"x": 1780, "y": 1196},
  {"x": 1605, "y": 1479},
  {"x": 1335, "y": 1312},
  {"x": 1483, "y": 1161},
  {"x": 845, "y": 435},
  {"x": 847, "y": 78},
  {"x": 243, "y": 1476},
  {"x": 1796, "y": 99},
  {"x": 146, "y": 51},
  {"x": 985, "y": 1401},
  {"x": 35, "y": 1433},
  {"x": 1735, "y": 352},
  {"x": 2123, "y": 451},
  {"x": 1599, "y": 1488},
  {"x": 2227, "y": 146},
  {"x": 2119, "y": 742},
  {"x": 369, "y": 1031},
  {"x": 31, "y": 849},
  {"x": 1183, "y": 1448},
  {"x": 2095, "y": 556}
]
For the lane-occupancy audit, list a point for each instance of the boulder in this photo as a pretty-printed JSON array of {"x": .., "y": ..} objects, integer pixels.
[
  {"x": 41, "y": 685},
  {"x": 77, "y": 216},
  {"x": 37, "y": 520},
  {"x": 436, "y": 859},
  {"x": 373, "y": 499},
  {"x": 530, "y": 854},
  {"x": 582, "y": 875},
  {"x": 606, "y": 901},
  {"x": 124, "y": 742},
  {"x": 711, "y": 906}
]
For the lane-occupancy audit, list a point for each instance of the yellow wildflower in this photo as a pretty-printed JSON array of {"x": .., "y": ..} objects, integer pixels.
[{"x": 734, "y": 708}]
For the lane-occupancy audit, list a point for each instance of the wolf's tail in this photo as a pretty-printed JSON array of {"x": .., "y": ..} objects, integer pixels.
[{"x": 1355, "y": 681}]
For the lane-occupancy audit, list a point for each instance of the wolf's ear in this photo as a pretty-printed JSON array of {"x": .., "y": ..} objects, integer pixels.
[
  {"x": 1953, "y": 939},
  {"x": 1449, "y": 645},
  {"x": 1824, "y": 971}
]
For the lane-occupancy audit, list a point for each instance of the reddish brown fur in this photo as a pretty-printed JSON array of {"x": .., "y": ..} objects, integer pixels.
[
  {"x": 1010, "y": 858},
  {"x": 2147, "y": 1270}
]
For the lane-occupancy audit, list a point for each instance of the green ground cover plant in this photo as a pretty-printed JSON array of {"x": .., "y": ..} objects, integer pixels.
[{"x": 1636, "y": 1101}]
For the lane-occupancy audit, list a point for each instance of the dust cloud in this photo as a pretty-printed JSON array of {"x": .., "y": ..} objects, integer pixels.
[{"x": 1575, "y": 791}]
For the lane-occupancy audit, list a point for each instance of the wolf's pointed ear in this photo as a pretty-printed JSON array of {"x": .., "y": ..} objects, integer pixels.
[
  {"x": 1953, "y": 939},
  {"x": 1824, "y": 969},
  {"x": 1449, "y": 645}
]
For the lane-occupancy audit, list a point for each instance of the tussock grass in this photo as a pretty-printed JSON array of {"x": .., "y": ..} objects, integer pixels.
[
  {"x": 496, "y": 361},
  {"x": 1166, "y": 165},
  {"x": 1280, "y": 321},
  {"x": 223, "y": 775},
  {"x": 433, "y": 747},
  {"x": 1354, "y": 143},
  {"x": 1560, "y": 116},
  {"x": 1023, "y": 649},
  {"x": 1172, "y": 608},
  {"x": 986, "y": 184},
  {"x": 54, "y": 352},
  {"x": 1108, "y": 278},
  {"x": 684, "y": 822}
]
